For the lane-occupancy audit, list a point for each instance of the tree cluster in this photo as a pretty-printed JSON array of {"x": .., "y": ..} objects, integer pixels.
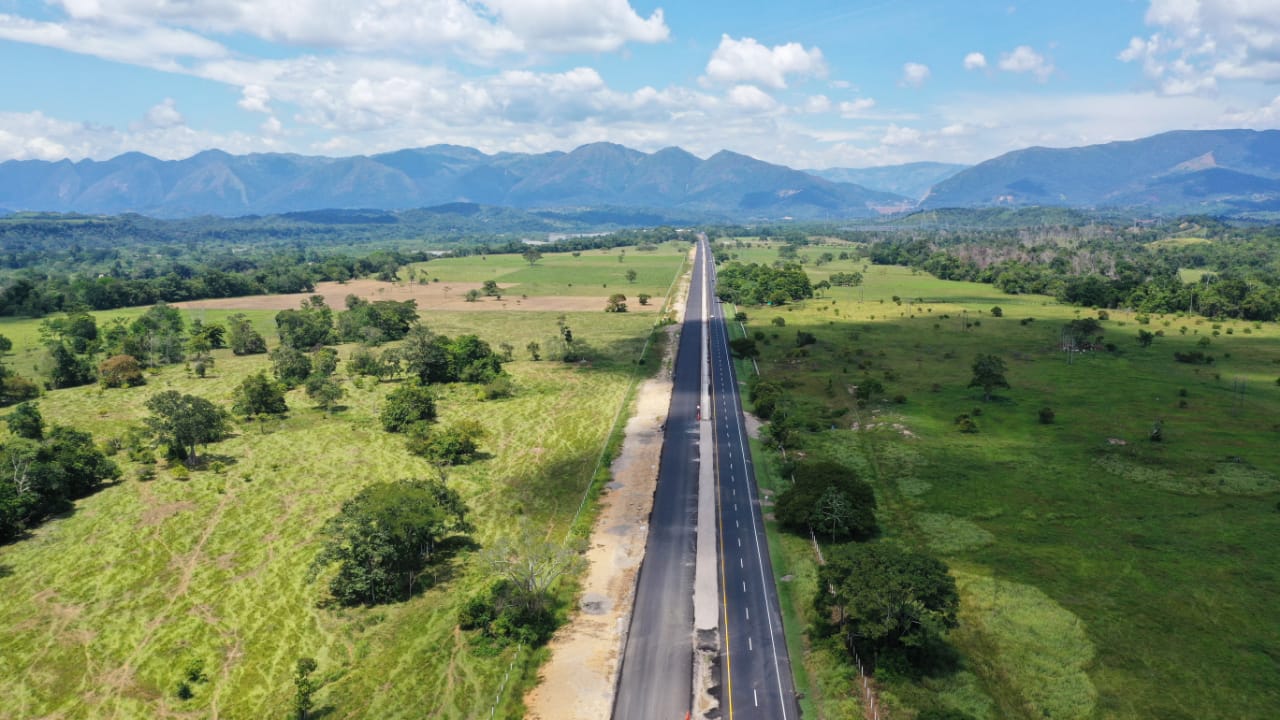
[
  {"x": 829, "y": 498},
  {"x": 757, "y": 284},
  {"x": 41, "y": 472}
]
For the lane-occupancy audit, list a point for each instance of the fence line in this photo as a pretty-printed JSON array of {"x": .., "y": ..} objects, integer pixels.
[{"x": 497, "y": 699}]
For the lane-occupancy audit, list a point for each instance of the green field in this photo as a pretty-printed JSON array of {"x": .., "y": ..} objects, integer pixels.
[
  {"x": 105, "y": 606},
  {"x": 1102, "y": 575},
  {"x": 592, "y": 272}
]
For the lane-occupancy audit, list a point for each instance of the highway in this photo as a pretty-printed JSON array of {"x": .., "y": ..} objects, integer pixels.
[
  {"x": 755, "y": 665},
  {"x": 656, "y": 678}
]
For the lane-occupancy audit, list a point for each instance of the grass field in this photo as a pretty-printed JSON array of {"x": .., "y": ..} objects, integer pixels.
[
  {"x": 1102, "y": 575},
  {"x": 104, "y": 607}
]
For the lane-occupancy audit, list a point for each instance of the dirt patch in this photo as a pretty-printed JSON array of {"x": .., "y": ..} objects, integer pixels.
[
  {"x": 578, "y": 682},
  {"x": 157, "y": 514},
  {"x": 434, "y": 296},
  {"x": 753, "y": 425}
]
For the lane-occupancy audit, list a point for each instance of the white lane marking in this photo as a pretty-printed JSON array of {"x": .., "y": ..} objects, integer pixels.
[
  {"x": 744, "y": 586},
  {"x": 735, "y": 524},
  {"x": 764, "y": 584},
  {"x": 755, "y": 697},
  {"x": 739, "y": 542},
  {"x": 749, "y": 645},
  {"x": 748, "y": 611},
  {"x": 740, "y": 563}
]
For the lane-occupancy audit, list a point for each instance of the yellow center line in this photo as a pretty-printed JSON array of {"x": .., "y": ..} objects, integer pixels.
[{"x": 724, "y": 597}]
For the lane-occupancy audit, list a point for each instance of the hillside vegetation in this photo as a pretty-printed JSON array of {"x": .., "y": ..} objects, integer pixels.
[{"x": 177, "y": 592}]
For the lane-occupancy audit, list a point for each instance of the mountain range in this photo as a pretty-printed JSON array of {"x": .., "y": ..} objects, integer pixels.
[
  {"x": 1209, "y": 171},
  {"x": 725, "y": 185}
]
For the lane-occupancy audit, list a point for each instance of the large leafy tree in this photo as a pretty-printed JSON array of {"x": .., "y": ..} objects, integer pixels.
[
  {"x": 243, "y": 338},
  {"x": 385, "y": 537},
  {"x": 184, "y": 422},
  {"x": 988, "y": 374},
  {"x": 829, "y": 498},
  {"x": 259, "y": 395},
  {"x": 408, "y": 405},
  {"x": 884, "y": 598},
  {"x": 308, "y": 327}
]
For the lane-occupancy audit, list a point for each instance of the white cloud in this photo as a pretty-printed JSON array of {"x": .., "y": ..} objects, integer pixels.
[
  {"x": 856, "y": 109},
  {"x": 139, "y": 44},
  {"x": 254, "y": 98},
  {"x": 163, "y": 115},
  {"x": 1198, "y": 43},
  {"x": 272, "y": 126},
  {"x": 747, "y": 61},
  {"x": 483, "y": 28},
  {"x": 1025, "y": 60},
  {"x": 750, "y": 97},
  {"x": 914, "y": 74},
  {"x": 895, "y": 136},
  {"x": 1267, "y": 116},
  {"x": 975, "y": 61},
  {"x": 817, "y": 104}
]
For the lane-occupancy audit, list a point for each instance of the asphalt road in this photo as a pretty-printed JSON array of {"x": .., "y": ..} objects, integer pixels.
[
  {"x": 756, "y": 669},
  {"x": 656, "y": 681}
]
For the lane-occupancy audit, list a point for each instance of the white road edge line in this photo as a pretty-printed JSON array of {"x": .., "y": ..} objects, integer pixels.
[{"x": 759, "y": 557}]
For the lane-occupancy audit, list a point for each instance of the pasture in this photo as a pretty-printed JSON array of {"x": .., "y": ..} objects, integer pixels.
[
  {"x": 1102, "y": 575},
  {"x": 106, "y": 607}
]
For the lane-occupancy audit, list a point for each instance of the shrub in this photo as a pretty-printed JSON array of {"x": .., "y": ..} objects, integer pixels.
[
  {"x": 1046, "y": 416},
  {"x": 805, "y": 338},
  {"x": 965, "y": 424},
  {"x": 120, "y": 371},
  {"x": 408, "y": 405},
  {"x": 779, "y": 321},
  {"x": 997, "y": 311}
]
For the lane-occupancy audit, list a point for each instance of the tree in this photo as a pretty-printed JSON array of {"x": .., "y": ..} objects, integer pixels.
[
  {"x": 426, "y": 355},
  {"x": 325, "y": 391},
  {"x": 243, "y": 338},
  {"x": 617, "y": 303},
  {"x": 491, "y": 289},
  {"x": 324, "y": 362},
  {"x": 385, "y": 536},
  {"x": 744, "y": 347},
  {"x": 988, "y": 374},
  {"x": 26, "y": 422},
  {"x": 534, "y": 350},
  {"x": 1146, "y": 337},
  {"x": 997, "y": 311},
  {"x": 185, "y": 422},
  {"x": 472, "y": 295},
  {"x": 259, "y": 395},
  {"x": 531, "y": 256},
  {"x": 291, "y": 366},
  {"x": 408, "y": 405},
  {"x": 828, "y": 496},
  {"x": 644, "y": 298},
  {"x": 119, "y": 371},
  {"x": 308, "y": 327},
  {"x": 67, "y": 369},
  {"x": 885, "y": 598},
  {"x": 304, "y": 687},
  {"x": 631, "y": 275},
  {"x": 455, "y": 444},
  {"x": 5, "y": 344}
]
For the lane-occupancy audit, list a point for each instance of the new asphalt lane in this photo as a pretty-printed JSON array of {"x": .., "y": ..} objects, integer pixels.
[
  {"x": 656, "y": 677},
  {"x": 755, "y": 666},
  {"x": 656, "y": 681}
]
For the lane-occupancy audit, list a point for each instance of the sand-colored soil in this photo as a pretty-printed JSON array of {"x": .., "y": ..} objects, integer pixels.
[
  {"x": 435, "y": 296},
  {"x": 578, "y": 682}
]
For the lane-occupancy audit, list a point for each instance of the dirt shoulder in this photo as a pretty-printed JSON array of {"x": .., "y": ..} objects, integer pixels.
[{"x": 578, "y": 682}]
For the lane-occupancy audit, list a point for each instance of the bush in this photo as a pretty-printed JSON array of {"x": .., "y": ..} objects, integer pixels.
[
  {"x": 1194, "y": 357},
  {"x": 456, "y": 444},
  {"x": 805, "y": 338},
  {"x": 779, "y": 321},
  {"x": 997, "y": 311},
  {"x": 120, "y": 371},
  {"x": 965, "y": 424},
  {"x": 740, "y": 317},
  {"x": 1046, "y": 416},
  {"x": 499, "y": 387},
  {"x": 408, "y": 405}
]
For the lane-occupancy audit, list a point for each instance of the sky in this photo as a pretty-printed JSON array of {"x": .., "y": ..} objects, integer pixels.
[{"x": 805, "y": 83}]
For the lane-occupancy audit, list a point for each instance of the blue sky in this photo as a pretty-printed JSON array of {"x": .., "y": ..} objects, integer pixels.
[{"x": 808, "y": 83}]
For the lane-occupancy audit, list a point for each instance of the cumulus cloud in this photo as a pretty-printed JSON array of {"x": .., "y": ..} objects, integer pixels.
[
  {"x": 856, "y": 109},
  {"x": 142, "y": 44},
  {"x": 1025, "y": 60},
  {"x": 163, "y": 115},
  {"x": 914, "y": 74},
  {"x": 254, "y": 98},
  {"x": 750, "y": 97},
  {"x": 484, "y": 28},
  {"x": 747, "y": 61},
  {"x": 1200, "y": 43},
  {"x": 816, "y": 104},
  {"x": 975, "y": 61}
]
